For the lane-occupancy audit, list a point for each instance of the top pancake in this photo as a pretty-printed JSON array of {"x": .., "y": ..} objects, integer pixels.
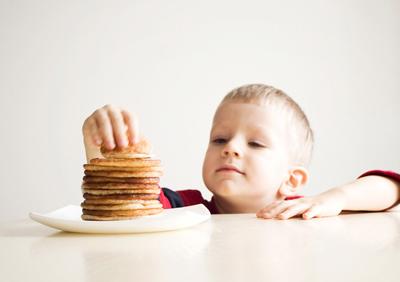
[
  {"x": 124, "y": 155},
  {"x": 140, "y": 149},
  {"x": 126, "y": 162}
]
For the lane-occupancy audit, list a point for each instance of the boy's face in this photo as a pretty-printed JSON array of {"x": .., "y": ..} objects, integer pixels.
[{"x": 247, "y": 158}]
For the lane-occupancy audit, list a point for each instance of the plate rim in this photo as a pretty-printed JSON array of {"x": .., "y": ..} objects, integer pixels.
[{"x": 116, "y": 227}]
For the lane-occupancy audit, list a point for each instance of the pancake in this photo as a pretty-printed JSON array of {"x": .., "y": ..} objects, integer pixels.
[
  {"x": 123, "y": 155},
  {"x": 101, "y": 179},
  {"x": 110, "y": 213},
  {"x": 120, "y": 191},
  {"x": 95, "y": 167},
  {"x": 122, "y": 186},
  {"x": 112, "y": 185},
  {"x": 116, "y": 201},
  {"x": 126, "y": 162},
  {"x": 120, "y": 197},
  {"x": 123, "y": 173},
  {"x": 140, "y": 149},
  {"x": 88, "y": 215},
  {"x": 132, "y": 205}
]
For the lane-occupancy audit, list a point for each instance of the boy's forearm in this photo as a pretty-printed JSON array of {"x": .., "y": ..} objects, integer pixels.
[{"x": 370, "y": 193}]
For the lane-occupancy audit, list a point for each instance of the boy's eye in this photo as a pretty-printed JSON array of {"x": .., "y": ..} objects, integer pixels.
[
  {"x": 256, "y": 144},
  {"x": 219, "y": 141}
]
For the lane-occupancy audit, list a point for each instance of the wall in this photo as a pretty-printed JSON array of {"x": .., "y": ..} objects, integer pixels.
[{"x": 171, "y": 62}]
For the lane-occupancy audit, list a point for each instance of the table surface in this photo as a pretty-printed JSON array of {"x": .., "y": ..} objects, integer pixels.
[{"x": 239, "y": 247}]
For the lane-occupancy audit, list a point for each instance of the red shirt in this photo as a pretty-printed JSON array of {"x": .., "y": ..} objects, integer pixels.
[
  {"x": 174, "y": 199},
  {"x": 188, "y": 198}
]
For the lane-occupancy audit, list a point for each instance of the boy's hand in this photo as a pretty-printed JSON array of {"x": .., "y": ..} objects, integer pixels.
[
  {"x": 329, "y": 203},
  {"x": 109, "y": 126},
  {"x": 368, "y": 193}
]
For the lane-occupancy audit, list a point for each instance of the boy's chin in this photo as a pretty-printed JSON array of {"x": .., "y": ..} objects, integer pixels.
[
  {"x": 226, "y": 190},
  {"x": 231, "y": 189}
]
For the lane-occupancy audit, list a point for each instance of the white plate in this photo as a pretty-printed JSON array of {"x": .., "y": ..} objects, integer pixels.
[{"x": 69, "y": 219}]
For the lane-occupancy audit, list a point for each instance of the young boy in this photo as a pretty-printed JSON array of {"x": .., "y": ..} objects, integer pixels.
[{"x": 256, "y": 162}]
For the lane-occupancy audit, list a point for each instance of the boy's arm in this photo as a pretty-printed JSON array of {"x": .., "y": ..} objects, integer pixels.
[{"x": 373, "y": 191}]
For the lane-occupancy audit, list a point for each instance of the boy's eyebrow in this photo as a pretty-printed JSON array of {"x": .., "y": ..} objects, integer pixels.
[
  {"x": 224, "y": 126},
  {"x": 262, "y": 132},
  {"x": 220, "y": 126},
  {"x": 256, "y": 129}
]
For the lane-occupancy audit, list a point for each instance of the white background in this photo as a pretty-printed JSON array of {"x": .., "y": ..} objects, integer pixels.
[{"x": 171, "y": 62}]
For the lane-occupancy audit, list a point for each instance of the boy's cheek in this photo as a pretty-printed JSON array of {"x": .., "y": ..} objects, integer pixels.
[{"x": 266, "y": 187}]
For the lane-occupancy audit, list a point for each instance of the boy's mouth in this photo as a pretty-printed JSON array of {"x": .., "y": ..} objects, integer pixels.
[{"x": 229, "y": 168}]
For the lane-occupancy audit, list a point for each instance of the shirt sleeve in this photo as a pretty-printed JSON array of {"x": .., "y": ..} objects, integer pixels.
[
  {"x": 184, "y": 198},
  {"x": 194, "y": 197},
  {"x": 386, "y": 173},
  {"x": 191, "y": 197},
  {"x": 176, "y": 199},
  {"x": 164, "y": 200},
  {"x": 173, "y": 197}
]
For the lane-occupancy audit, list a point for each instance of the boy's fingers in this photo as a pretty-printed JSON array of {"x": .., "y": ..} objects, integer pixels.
[
  {"x": 293, "y": 211},
  {"x": 312, "y": 212},
  {"x": 274, "y": 211},
  {"x": 281, "y": 208},
  {"x": 133, "y": 126},
  {"x": 94, "y": 132},
  {"x": 105, "y": 129},
  {"x": 265, "y": 215},
  {"x": 264, "y": 212},
  {"x": 118, "y": 126}
]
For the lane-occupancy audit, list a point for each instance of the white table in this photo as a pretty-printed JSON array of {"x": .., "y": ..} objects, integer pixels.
[{"x": 353, "y": 247}]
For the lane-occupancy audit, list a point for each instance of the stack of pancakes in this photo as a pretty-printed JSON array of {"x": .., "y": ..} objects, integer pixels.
[{"x": 123, "y": 185}]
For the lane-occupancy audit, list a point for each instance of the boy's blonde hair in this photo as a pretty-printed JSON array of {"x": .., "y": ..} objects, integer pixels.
[{"x": 297, "y": 122}]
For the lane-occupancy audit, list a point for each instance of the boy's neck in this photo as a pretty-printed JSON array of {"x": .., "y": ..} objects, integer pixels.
[
  {"x": 241, "y": 205},
  {"x": 234, "y": 205}
]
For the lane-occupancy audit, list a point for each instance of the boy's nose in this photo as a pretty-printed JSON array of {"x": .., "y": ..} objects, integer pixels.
[{"x": 229, "y": 151}]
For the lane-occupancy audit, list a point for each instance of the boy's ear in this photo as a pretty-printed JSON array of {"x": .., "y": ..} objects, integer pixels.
[{"x": 298, "y": 177}]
